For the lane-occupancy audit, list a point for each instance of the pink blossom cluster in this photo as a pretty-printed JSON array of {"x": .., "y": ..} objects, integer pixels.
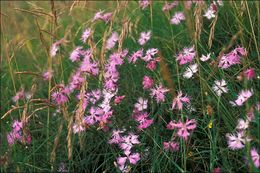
[
  {"x": 169, "y": 5},
  {"x": 243, "y": 96},
  {"x": 61, "y": 95},
  {"x": 126, "y": 143},
  {"x": 17, "y": 134},
  {"x": 186, "y": 56},
  {"x": 144, "y": 3},
  {"x": 232, "y": 58},
  {"x": 20, "y": 95}
]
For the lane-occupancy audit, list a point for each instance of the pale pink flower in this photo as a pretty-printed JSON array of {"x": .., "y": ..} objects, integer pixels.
[
  {"x": 138, "y": 54},
  {"x": 47, "y": 75},
  {"x": 237, "y": 141},
  {"x": 59, "y": 97},
  {"x": 180, "y": 100},
  {"x": 17, "y": 125},
  {"x": 242, "y": 124},
  {"x": 177, "y": 18},
  {"x": 86, "y": 34},
  {"x": 249, "y": 73},
  {"x": 243, "y": 96},
  {"x": 134, "y": 158},
  {"x": 171, "y": 145},
  {"x": 19, "y": 95},
  {"x": 147, "y": 82},
  {"x": 78, "y": 128},
  {"x": 144, "y": 37},
  {"x": 159, "y": 93},
  {"x": 205, "y": 57},
  {"x": 186, "y": 56},
  {"x": 97, "y": 16},
  {"x": 190, "y": 70},
  {"x": 11, "y": 138},
  {"x": 142, "y": 119},
  {"x": 116, "y": 137},
  {"x": 143, "y": 3},
  {"x": 75, "y": 54},
  {"x": 168, "y": 6},
  {"x": 151, "y": 65},
  {"x": 220, "y": 86},
  {"x": 106, "y": 17},
  {"x": 210, "y": 13},
  {"x": 112, "y": 40},
  {"x": 89, "y": 66},
  {"x": 255, "y": 157},
  {"x": 54, "y": 48},
  {"x": 149, "y": 54},
  {"x": 141, "y": 104},
  {"x": 184, "y": 129}
]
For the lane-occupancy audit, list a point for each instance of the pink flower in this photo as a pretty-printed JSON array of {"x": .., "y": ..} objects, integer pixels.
[
  {"x": 138, "y": 54},
  {"x": 47, "y": 75},
  {"x": 243, "y": 96},
  {"x": 172, "y": 146},
  {"x": 255, "y": 157},
  {"x": 94, "y": 115},
  {"x": 177, "y": 18},
  {"x": 141, "y": 104},
  {"x": 143, "y": 4},
  {"x": 128, "y": 142},
  {"x": 78, "y": 128},
  {"x": 237, "y": 141},
  {"x": 106, "y": 17},
  {"x": 144, "y": 37},
  {"x": 88, "y": 66},
  {"x": 232, "y": 58},
  {"x": 10, "y": 138},
  {"x": 168, "y": 6},
  {"x": 17, "y": 126},
  {"x": 75, "y": 54},
  {"x": 116, "y": 137},
  {"x": 147, "y": 82},
  {"x": 205, "y": 57},
  {"x": 184, "y": 129},
  {"x": 142, "y": 119},
  {"x": 149, "y": 54},
  {"x": 159, "y": 93},
  {"x": 76, "y": 81},
  {"x": 61, "y": 96},
  {"x": 112, "y": 40},
  {"x": 86, "y": 35},
  {"x": 118, "y": 99},
  {"x": 134, "y": 158},
  {"x": 97, "y": 16},
  {"x": 249, "y": 73},
  {"x": 187, "y": 55},
  {"x": 179, "y": 100},
  {"x": 152, "y": 64},
  {"x": 217, "y": 170},
  {"x": 19, "y": 95},
  {"x": 210, "y": 13}
]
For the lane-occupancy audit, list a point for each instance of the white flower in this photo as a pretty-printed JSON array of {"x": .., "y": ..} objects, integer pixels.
[
  {"x": 220, "y": 87},
  {"x": 205, "y": 58},
  {"x": 209, "y": 14},
  {"x": 141, "y": 104},
  {"x": 191, "y": 69},
  {"x": 242, "y": 124}
]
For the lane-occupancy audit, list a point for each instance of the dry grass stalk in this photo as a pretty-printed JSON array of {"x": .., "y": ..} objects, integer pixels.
[
  {"x": 166, "y": 75},
  {"x": 198, "y": 20},
  {"x": 55, "y": 144},
  {"x": 69, "y": 137},
  {"x": 212, "y": 31},
  {"x": 9, "y": 111}
]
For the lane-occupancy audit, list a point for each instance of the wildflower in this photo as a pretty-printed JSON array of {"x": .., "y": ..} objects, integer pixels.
[
  {"x": 142, "y": 119},
  {"x": 210, "y": 13},
  {"x": 152, "y": 64},
  {"x": 141, "y": 104},
  {"x": 177, "y": 18},
  {"x": 249, "y": 73},
  {"x": 144, "y": 37},
  {"x": 106, "y": 17},
  {"x": 243, "y": 96},
  {"x": 128, "y": 142},
  {"x": 232, "y": 58},
  {"x": 217, "y": 170},
  {"x": 147, "y": 82},
  {"x": 179, "y": 100},
  {"x": 19, "y": 95},
  {"x": 75, "y": 54},
  {"x": 78, "y": 128},
  {"x": 118, "y": 99},
  {"x": 186, "y": 56},
  {"x": 76, "y": 81},
  {"x": 88, "y": 66},
  {"x": 112, "y": 40},
  {"x": 210, "y": 125},
  {"x": 149, "y": 54},
  {"x": 55, "y": 47},
  {"x": 190, "y": 70},
  {"x": 97, "y": 16},
  {"x": 255, "y": 157},
  {"x": 172, "y": 146},
  {"x": 93, "y": 117},
  {"x": 47, "y": 75},
  {"x": 138, "y": 54},
  {"x": 17, "y": 126},
  {"x": 184, "y": 129},
  {"x": 242, "y": 124},
  {"x": 168, "y": 6},
  {"x": 220, "y": 87},
  {"x": 85, "y": 35},
  {"x": 11, "y": 138},
  {"x": 159, "y": 93},
  {"x": 61, "y": 96},
  {"x": 143, "y": 4},
  {"x": 237, "y": 141},
  {"x": 116, "y": 137},
  {"x": 205, "y": 57}
]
